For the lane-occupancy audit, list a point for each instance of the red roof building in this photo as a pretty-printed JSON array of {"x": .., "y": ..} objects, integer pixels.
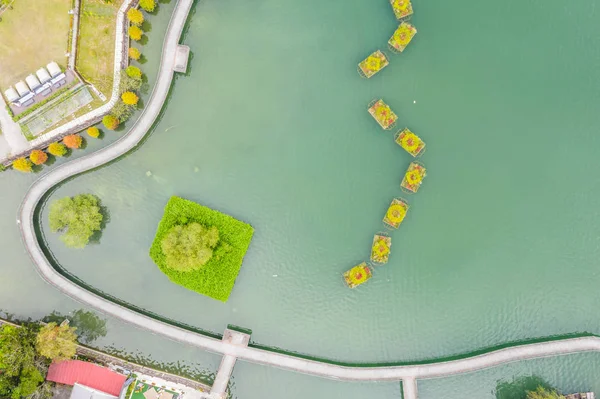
[{"x": 91, "y": 375}]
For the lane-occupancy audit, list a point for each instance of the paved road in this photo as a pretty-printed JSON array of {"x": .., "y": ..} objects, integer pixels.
[{"x": 408, "y": 374}]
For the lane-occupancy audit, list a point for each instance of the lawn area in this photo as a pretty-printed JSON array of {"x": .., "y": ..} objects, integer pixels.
[
  {"x": 144, "y": 391},
  {"x": 32, "y": 34},
  {"x": 95, "y": 56},
  {"x": 217, "y": 277}
]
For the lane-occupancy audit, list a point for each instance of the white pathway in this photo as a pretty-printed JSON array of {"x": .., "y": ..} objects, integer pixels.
[
  {"x": 11, "y": 133},
  {"x": 219, "y": 388},
  {"x": 408, "y": 374}
]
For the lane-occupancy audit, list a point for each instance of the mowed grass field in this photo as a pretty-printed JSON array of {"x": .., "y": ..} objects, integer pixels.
[
  {"x": 95, "y": 55},
  {"x": 32, "y": 34}
]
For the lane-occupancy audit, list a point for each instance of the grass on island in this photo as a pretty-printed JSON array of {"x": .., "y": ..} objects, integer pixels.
[
  {"x": 96, "y": 48},
  {"x": 32, "y": 34},
  {"x": 216, "y": 278}
]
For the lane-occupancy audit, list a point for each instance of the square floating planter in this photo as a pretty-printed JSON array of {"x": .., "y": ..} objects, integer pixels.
[
  {"x": 215, "y": 277},
  {"x": 396, "y": 213},
  {"x": 401, "y": 37},
  {"x": 402, "y": 8},
  {"x": 382, "y": 113},
  {"x": 380, "y": 250},
  {"x": 410, "y": 142},
  {"x": 358, "y": 275},
  {"x": 372, "y": 64},
  {"x": 413, "y": 177}
]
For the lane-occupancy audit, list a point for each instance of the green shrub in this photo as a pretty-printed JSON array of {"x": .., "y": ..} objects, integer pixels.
[
  {"x": 128, "y": 83},
  {"x": 110, "y": 122},
  {"x": 122, "y": 111},
  {"x": 133, "y": 72},
  {"x": 147, "y": 5},
  {"x": 79, "y": 217},
  {"x": 217, "y": 277},
  {"x": 188, "y": 247}
]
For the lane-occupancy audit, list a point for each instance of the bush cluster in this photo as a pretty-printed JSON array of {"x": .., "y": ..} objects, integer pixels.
[
  {"x": 73, "y": 141},
  {"x": 78, "y": 217},
  {"x": 135, "y": 33},
  {"x": 23, "y": 165},
  {"x": 134, "y": 53},
  {"x": 38, "y": 157},
  {"x": 135, "y": 16},
  {"x": 57, "y": 149},
  {"x": 148, "y": 5},
  {"x": 131, "y": 82},
  {"x": 93, "y": 132}
]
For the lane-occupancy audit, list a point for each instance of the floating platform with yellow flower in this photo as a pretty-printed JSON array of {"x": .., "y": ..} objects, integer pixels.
[
  {"x": 413, "y": 177},
  {"x": 401, "y": 37},
  {"x": 373, "y": 64},
  {"x": 383, "y": 114},
  {"x": 402, "y": 8},
  {"x": 410, "y": 142},
  {"x": 358, "y": 275},
  {"x": 380, "y": 251},
  {"x": 396, "y": 213}
]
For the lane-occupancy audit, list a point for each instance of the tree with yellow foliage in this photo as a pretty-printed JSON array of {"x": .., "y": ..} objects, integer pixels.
[
  {"x": 38, "y": 157},
  {"x": 93, "y": 132},
  {"x": 56, "y": 342},
  {"x": 130, "y": 98},
  {"x": 135, "y": 16},
  {"x": 135, "y": 33},
  {"x": 147, "y": 5},
  {"x": 23, "y": 165},
  {"x": 57, "y": 149},
  {"x": 134, "y": 53},
  {"x": 110, "y": 122}
]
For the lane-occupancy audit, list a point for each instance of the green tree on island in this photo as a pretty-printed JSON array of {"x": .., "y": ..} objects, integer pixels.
[
  {"x": 189, "y": 247},
  {"x": 79, "y": 217}
]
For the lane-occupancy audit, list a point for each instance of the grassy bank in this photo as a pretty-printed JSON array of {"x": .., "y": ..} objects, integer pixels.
[
  {"x": 32, "y": 34},
  {"x": 95, "y": 56}
]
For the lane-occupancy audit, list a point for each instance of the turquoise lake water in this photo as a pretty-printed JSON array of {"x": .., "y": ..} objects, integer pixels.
[{"x": 500, "y": 243}]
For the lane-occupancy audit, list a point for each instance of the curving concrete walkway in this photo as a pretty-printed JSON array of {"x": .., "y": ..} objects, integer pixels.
[{"x": 408, "y": 374}]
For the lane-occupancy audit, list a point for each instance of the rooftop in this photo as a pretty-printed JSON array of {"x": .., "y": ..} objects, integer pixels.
[{"x": 91, "y": 375}]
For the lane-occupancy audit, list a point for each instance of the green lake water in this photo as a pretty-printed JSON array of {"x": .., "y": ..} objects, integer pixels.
[{"x": 271, "y": 127}]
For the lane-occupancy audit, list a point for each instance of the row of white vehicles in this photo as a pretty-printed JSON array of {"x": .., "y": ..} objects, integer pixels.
[{"x": 42, "y": 83}]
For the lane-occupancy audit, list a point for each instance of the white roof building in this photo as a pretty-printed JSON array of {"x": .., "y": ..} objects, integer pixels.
[
  {"x": 32, "y": 82},
  {"x": 11, "y": 95},
  {"x": 53, "y": 68},
  {"x": 22, "y": 88},
  {"x": 82, "y": 392},
  {"x": 43, "y": 75}
]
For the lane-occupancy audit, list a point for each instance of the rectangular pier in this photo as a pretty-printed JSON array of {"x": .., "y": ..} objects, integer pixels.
[
  {"x": 219, "y": 388},
  {"x": 182, "y": 55}
]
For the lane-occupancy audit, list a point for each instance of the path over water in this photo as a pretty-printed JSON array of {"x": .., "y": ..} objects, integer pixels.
[{"x": 407, "y": 373}]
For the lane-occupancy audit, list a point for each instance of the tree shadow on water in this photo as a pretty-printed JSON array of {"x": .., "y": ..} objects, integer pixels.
[
  {"x": 97, "y": 236},
  {"x": 518, "y": 387}
]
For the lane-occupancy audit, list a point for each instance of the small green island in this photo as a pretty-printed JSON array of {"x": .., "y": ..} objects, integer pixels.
[{"x": 199, "y": 248}]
